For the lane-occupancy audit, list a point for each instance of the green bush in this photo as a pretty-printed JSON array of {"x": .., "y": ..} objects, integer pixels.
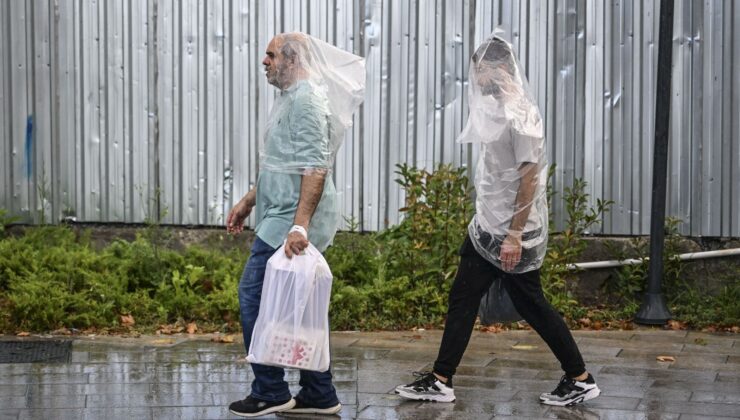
[
  {"x": 51, "y": 278},
  {"x": 400, "y": 278},
  {"x": 566, "y": 247}
]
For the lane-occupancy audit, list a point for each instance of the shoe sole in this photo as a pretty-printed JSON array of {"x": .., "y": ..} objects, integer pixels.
[
  {"x": 434, "y": 398},
  {"x": 288, "y": 405},
  {"x": 325, "y": 411},
  {"x": 590, "y": 395}
]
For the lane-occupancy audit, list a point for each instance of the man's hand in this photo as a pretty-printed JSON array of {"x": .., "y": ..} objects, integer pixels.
[
  {"x": 295, "y": 244},
  {"x": 511, "y": 251},
  {"x": 240, "y": 212}
]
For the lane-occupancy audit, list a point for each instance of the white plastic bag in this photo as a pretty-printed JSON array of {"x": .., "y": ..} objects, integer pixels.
[{"x": 292, "y": 327}]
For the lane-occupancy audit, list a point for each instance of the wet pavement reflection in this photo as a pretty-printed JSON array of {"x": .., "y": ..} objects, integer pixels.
[{"x": 501, "y": 376}]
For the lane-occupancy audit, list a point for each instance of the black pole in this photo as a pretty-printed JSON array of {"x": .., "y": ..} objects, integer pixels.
[{"x": 654, "y": 310}]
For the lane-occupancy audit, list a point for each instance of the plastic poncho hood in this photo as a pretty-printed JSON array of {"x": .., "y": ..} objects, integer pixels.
[
  {"x": 511, "y": 172},
  {"x": 332, "y": 80}
]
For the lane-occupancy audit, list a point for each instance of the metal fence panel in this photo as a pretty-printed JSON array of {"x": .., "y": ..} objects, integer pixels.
[{"x": 126, "y": 111}]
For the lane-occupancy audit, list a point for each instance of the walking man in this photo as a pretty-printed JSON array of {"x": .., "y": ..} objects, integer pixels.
[
  {"x": 507, "y": 237},
  {"x": 294, "y": 200}
]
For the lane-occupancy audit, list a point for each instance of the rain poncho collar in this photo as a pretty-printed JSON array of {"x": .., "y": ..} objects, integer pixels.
[{"x": 505, "y": 121}]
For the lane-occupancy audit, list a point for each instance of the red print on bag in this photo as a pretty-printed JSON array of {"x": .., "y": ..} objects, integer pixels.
[{"x": 298, "y": 354}]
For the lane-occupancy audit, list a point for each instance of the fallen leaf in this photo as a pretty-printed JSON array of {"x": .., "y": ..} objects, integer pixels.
[
  {"x": 23, "y": 334},
  {"x": 735, "y": 329},
  {"x": 163, "y": 341},
  {"x": 666, "y": 359},
  {"x": 523, "y": 347},
  {"x": 585, "y": 322},
  {"x": 192, "y": 328},
  {"x": 676, "y": 325},
  {"x": 597, "y": 325},
  {"x": 700, "y": 341},
  {"x": 127, "y": 320},
  {"x": 61, "y": 331},
  {"x": 495, "y": 328},
  {"x": 223, "y": 339},
  {"x": 170, "y": 329}
]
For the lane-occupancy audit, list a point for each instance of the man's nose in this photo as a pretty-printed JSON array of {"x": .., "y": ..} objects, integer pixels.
[{"x": 266, "y": 61}]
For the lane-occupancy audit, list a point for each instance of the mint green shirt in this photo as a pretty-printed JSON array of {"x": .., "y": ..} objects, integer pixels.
[{"x": 297, "y": 139}]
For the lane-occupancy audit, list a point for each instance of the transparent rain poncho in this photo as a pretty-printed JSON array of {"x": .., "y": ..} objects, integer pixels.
[
  {"x": 331, "y": 82},
  {"x": 511, "y": 173},
  {"x": 320, "y": 87}
]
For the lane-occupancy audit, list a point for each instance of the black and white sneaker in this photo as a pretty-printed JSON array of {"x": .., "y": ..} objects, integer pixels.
[
  {"x": 427, "y": 388},
  {"x": 254, "y": 407},
  {"x": 570, "y": 392},
  {"x": 305, "y": 408}
]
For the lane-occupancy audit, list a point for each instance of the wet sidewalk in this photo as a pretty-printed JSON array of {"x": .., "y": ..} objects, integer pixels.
[{"x": 501, "y": 376}]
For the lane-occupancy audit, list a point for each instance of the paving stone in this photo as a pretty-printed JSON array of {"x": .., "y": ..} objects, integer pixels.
[
  {"x": 677, "y": 375},
  {"x": 386, "y": 365},
  {"x": 55, "y": 401},
  {"x": 637, "y": 344},
  {"x": 12, "y": 402},
  {"x": 382, "y": 400},
  {"x": 220, "y": 357},
  {"x": 413, "y": 410},
  {"x": 711, "y": 339},
  {"x": 652, "y": 336},
  {"x": 343, "y": 338},
  {"x": 57, "y": 414},
  {"x": 469, "y": 395},
  {"x": 177, "y": 413},
  {"x": 731, "y": 377},
  {"x": 688, "y": 385},
  {"x": 504, "y": 362},
  {"x": 121, "y": 357},
  {"x": 149, "y": 400},
  {"x": 608, "y": 414},
  {"x": 79, "y": 357},
  {"x": 384, "y": 386},
  {"x": 13, "y": 390},
  {"x": 379, "y": 343},
  {"x": 9, "y": 414},
  {"x": 710, "y": 349},
  {"x": 108, "y": 413},
  {"x": 646, "y": 393},
  {"x": 347, "y": 398},
  {"x": 359, "y": 353},
  {"x": 41, "y": 390},
  {"x": 498, "y": 372},
  {"x": 604, "y": 334},
  {"x": 728, "y": 396},
  {"x": 57, "y": 378},
  {"x": 705, "y": 409},
  {"x": 121, "y": 377},
  {"x": 703, "y": 417},
  {"x": 440, "y": 411}
]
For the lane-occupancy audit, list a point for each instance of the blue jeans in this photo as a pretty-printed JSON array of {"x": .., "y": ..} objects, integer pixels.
[{"x": 269, "y": 383}]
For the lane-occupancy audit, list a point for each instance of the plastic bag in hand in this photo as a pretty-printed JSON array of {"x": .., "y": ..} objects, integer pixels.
[{"x": 292, "y": 328}]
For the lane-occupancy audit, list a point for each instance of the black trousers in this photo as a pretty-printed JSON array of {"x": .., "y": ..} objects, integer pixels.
[{"x": 474, "y": 276}]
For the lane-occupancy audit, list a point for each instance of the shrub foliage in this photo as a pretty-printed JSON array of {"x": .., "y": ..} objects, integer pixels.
[{"x": 52, "y": 277}]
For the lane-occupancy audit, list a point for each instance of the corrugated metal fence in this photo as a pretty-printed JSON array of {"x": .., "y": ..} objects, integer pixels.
[{"x": 118, "y": 111}]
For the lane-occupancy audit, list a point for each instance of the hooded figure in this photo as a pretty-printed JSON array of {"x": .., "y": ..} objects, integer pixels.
[
  {"x": 509, "y": 228},
  {"x": 507, "y": 237},
  {"x": 295, "y": 201},
  {"x": 320, "y": 87}
]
